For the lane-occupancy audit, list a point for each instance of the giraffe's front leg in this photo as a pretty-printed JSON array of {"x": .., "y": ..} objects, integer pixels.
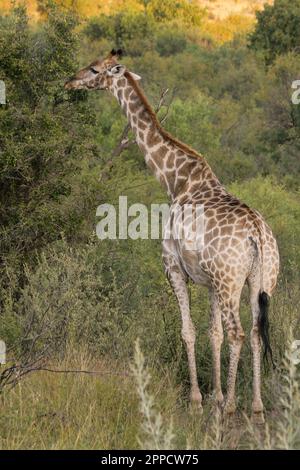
[
  {"x": 257, "y": 404},
  {"x": 178, "y": 282}
]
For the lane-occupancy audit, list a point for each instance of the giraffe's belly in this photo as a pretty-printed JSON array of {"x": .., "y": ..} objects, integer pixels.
[
  {"x": 207, "y": 252},
  {"x": 186, "y": 246},
  {"x": 197, "y": 275},
  {"x": 191, "y": 262},
  {"x": 205, "y": 265}
]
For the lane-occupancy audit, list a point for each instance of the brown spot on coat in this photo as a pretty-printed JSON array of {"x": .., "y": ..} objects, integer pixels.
[{"x": 153, "y": 137}]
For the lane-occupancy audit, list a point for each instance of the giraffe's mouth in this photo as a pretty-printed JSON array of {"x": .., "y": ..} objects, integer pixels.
[
  {"x": 73, "y": 84},
  {"x": 68, "y": 85}
]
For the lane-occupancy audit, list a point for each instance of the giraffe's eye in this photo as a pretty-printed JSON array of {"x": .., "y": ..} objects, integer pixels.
[{"x": 94, "y": 71}]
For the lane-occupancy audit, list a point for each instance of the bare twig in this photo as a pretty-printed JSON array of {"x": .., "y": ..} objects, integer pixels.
[
  {"x": 124, "y": 142},
  {"x": 164, "y": 118},
  {"x": 28, "y": 359},
  {"x": 80, "y": 371},
  {"x": 11, "y": 375},
  {"x": 162, "y": 99}
]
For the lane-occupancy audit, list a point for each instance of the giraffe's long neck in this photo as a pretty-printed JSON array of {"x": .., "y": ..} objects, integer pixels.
[{"x": 176, "y": 166}]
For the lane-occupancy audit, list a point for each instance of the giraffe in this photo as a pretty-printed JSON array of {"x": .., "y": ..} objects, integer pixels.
[{"x": 238, "y": 246}]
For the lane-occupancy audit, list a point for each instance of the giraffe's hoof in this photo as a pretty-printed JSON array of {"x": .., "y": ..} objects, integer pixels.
[
  {"x": 258, "y": 417},
  {"x": 196, "y": 402},
  {"x": 219, "y": 400},
  {"x": 196, "y": 407},
  {"x": 229, "y": 410}
]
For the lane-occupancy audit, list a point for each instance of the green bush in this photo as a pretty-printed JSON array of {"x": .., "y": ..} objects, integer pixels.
[
  {"x": 131, "y": 31},
  {"x": 277, "y": 30},
  {"x": 45, "y": 135},
  {"x": 168, "y": 43}
]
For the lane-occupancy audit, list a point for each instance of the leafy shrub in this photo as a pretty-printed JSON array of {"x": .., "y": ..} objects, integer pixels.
[
  {"x": 188, "y": 12},
  {"x": 168, "y": 43},
  {"x": 277, "y": 30},
  {"x": 131, "y": 31},
  {"x": 44, "y": 134}
]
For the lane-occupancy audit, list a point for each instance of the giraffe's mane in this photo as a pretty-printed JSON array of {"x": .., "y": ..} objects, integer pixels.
[{"x": 186, "y": 148}]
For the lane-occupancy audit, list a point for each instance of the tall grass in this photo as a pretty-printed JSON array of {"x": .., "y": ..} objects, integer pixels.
[
  {"x": 155, "y": 435},
  {"x": 145, "y": 405},
  {"x": 143, "y": 408}
]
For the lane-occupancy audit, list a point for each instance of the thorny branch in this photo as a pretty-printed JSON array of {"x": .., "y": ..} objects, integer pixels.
[
  {"x": 82, "y": 371},
  {"x": 12, "y": 375},
  {"x": 34, "y": 348}
]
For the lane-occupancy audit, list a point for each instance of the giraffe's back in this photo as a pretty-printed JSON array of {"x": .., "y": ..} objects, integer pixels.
[{"x": 232, "y": 235}]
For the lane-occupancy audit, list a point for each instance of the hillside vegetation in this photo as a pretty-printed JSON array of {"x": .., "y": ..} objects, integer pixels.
[{"x": 222, "y": 18}]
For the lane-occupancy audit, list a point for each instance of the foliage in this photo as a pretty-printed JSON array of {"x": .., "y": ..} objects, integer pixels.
[
  {"x": 130, "y": 31},
  {"x": 226, "y": 29},
  {"x": 43, "y": 135},
  {"x": 188, "y": 12},
  {"x": 277, "y": 30},
  {"x": 169, "y": 43}
]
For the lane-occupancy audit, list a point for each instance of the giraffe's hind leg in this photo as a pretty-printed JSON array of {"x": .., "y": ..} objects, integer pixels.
[
  {"x": 257, "y": 404},
  {"x": 235, "y": 333}
]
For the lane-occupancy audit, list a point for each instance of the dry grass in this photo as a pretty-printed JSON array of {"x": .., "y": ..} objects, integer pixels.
[
  {"x": 70, "y": 411},
  {"x": 227, "y": 18},
  {"x": 50, "y": 410},
  {"x": 221, "y": 9},
  {"x": 118, "y": 409},
  {"x": 110, "y": 409}
]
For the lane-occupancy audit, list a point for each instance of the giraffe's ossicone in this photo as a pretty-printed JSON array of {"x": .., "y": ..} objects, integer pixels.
[{"x": 237, "y": 247}]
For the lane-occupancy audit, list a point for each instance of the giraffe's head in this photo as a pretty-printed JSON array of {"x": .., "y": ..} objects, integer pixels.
[{"x": 99, "y": 75}]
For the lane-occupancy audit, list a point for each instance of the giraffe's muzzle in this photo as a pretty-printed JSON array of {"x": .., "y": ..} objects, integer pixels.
[{"x": 71, "y": 84}]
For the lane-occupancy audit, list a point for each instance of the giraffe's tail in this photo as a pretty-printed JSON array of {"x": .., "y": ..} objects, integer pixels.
[{"x": 263, "y": 325}]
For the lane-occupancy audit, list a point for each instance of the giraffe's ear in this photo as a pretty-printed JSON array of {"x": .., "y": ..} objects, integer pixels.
[
  {"x": 116, "y": 71},
  {"x": 135, "y": 76},
  {"x": 116, "y": 52}
]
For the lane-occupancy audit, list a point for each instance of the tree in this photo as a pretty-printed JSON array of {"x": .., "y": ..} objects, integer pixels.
[
  {"x": 42, "y": 138},
  {"x": 186, "y": 11},
  {"x": 131, "y": 31},
  {"x": 277, "y": 30}
]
